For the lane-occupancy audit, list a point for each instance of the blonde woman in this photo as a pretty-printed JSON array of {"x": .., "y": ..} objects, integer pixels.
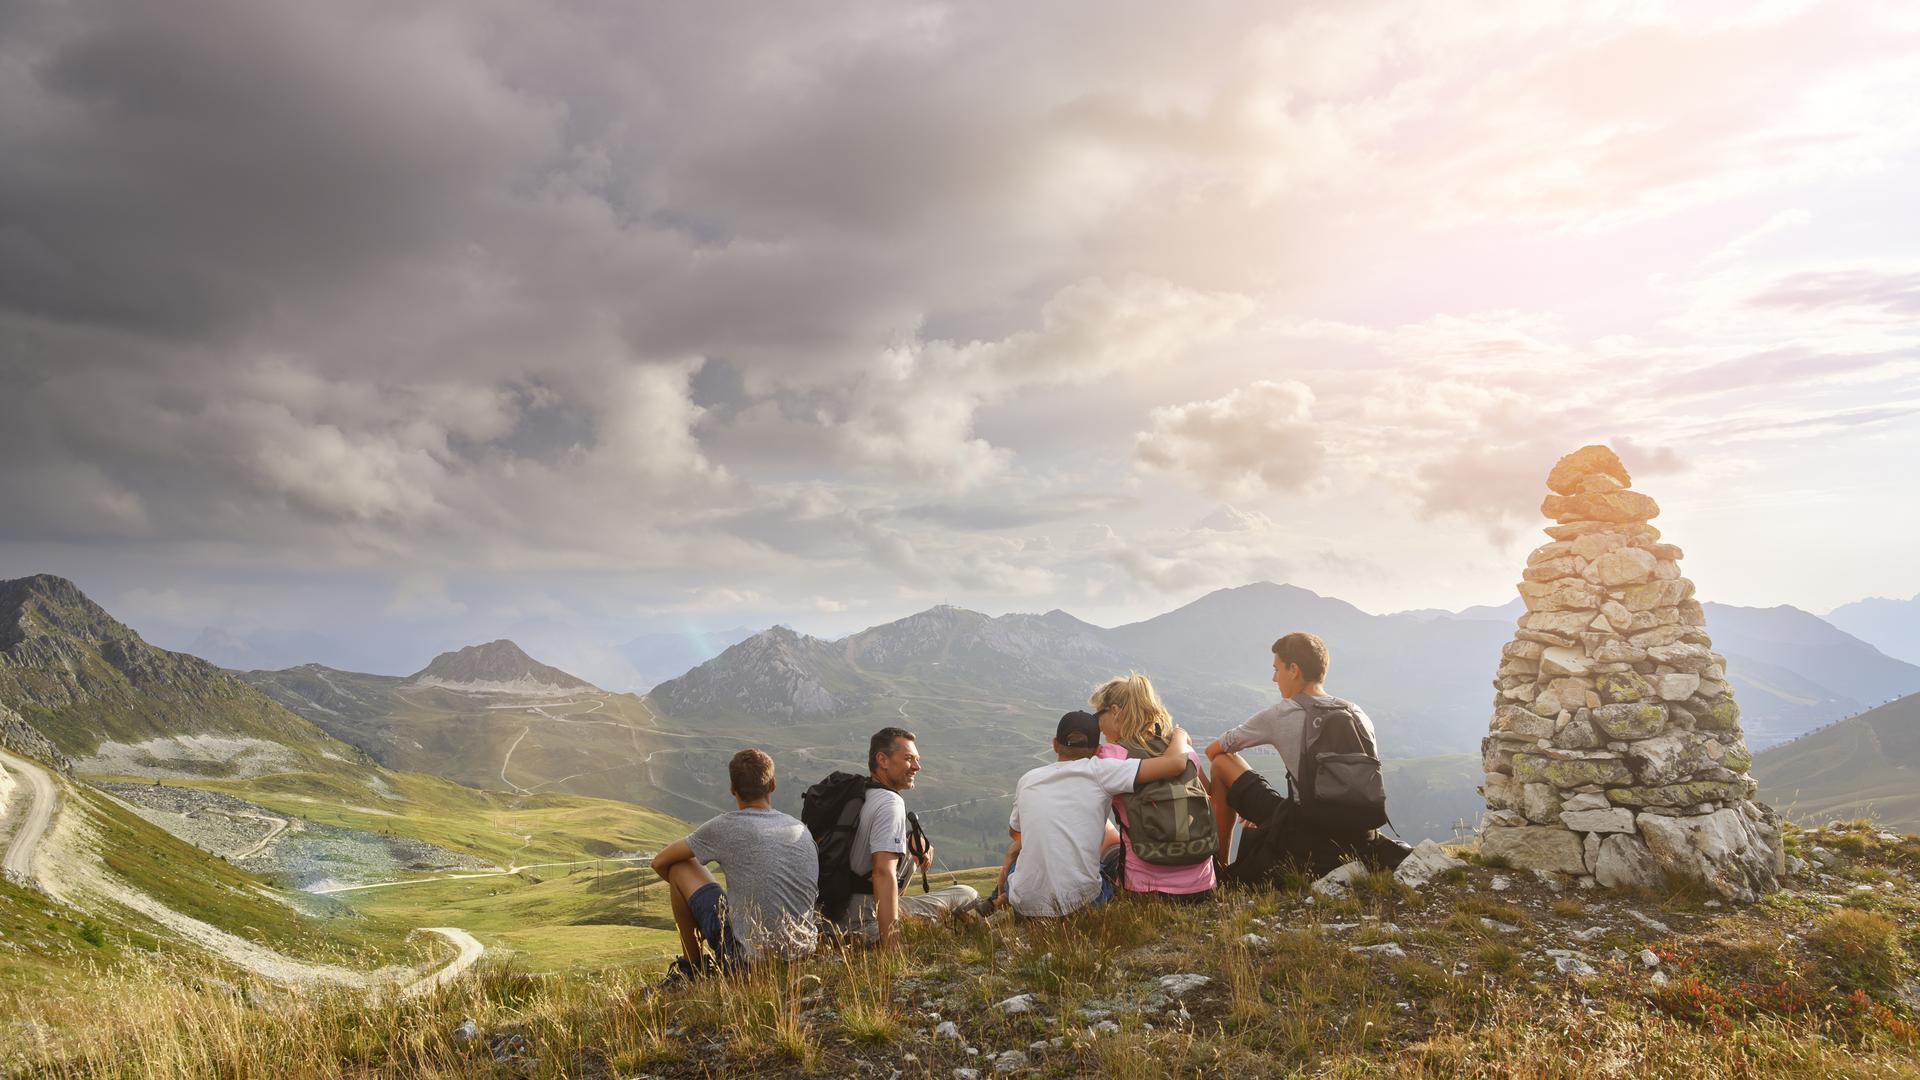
[{"x": 1178, "y": 841}]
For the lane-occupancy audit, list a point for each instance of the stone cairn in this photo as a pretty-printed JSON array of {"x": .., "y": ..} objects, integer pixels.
[{"x": 1616, "y": 751}]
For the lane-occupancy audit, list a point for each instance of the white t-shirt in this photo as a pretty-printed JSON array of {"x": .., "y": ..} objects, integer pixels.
[{"x": 1064, "y": 808}]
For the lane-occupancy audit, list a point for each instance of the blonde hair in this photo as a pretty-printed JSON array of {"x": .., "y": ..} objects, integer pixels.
[{"x": 1142, "y": 717}]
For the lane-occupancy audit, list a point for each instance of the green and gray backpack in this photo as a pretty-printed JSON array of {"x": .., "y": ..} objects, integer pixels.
[{"x": 1169, "y": 822}]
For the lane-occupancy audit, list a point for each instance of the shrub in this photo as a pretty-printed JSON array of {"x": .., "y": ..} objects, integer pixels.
[{"x": 1862, "y": 949}]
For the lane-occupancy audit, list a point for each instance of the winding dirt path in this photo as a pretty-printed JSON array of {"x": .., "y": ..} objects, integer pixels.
[
  {"x": 58, "y": 854},
  {"x": 505, "y": 761},
  {"x": 42, "y": 799},
  {"x": 469, "y": 948}
]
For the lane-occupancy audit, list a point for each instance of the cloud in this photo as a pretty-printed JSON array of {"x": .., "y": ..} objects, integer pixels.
[
  {"x": 422, "y": 597},
  {"x": 1255, "y": 440},
  {"x": 860, "y": 301},
  {"x": 914, "y": 408}
]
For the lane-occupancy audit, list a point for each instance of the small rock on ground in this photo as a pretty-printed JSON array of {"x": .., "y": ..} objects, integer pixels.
[{"x": 1181, "y": 984}]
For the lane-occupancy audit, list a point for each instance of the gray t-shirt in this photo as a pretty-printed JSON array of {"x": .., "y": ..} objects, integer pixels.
[
  {"x": 773, "y": 877},
  {"x": 883, "y": 827},
  {"x": 1278, "y": 726}
]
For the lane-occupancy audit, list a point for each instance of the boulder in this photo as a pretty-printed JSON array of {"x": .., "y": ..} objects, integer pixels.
[
  {"x": 1625, "y": 862},
  {"x": 1674, "y": 756},
  {"x": 1628, "y": 686},
  {"x": 1569, "y": 473},
  {"x": 1564, "y": 623},
  {"x": 1649, "y": 595},
  {"x": 1616, "y": 507},
  {"x": 1540, "y": 803},
  {"x": 1501, "y": 792},
  {"x": 1535, "y": 847},
  {"x": 1721, "y": 715},
  {"x": 1678, "y": 686},
  {"x": 1578, "y": 734},
  {"x": 1613, "y": 650},
  {"x": 1552, "y": 569},
  {"x": 1522, "y": 723},
  {"x": 1630, "y": 721},
  {"x": 1424, "y": 863},
  {"x": 1564, "y": 771},
  {"x": 1561, "y": 660},
  {"x": 1616, "y": 819},
  {"x": 1690, "y": 793},
  {"x": 1639, "y": 534},
  {"x": 1586, "y": 800},
  {"x": 1625, "y": 566},
  {"x": 1723, "y": 851},
  {"x": 1567, "y": 594}
]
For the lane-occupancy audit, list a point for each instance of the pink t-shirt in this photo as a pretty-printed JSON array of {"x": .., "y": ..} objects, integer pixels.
[{"x": 1144, "y": 876}]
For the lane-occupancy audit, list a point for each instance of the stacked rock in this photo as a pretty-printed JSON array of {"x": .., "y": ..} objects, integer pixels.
[{"x": 1616, "y": 750}]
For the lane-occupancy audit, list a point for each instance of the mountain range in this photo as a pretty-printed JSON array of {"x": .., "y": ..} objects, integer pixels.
[{"x": 1892, "y": 625}]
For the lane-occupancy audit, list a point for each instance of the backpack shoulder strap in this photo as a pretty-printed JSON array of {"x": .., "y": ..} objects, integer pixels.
[
  {"x": 1309, "y": 733},
  {"x": 1351, "y": 713}
]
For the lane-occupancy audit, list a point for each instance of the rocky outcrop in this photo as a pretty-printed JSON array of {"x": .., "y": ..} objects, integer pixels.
[
  {"x": 777, "y": 674},
  {"x": 1615, "y": 750},
  {"x": 24, "y": 739}
]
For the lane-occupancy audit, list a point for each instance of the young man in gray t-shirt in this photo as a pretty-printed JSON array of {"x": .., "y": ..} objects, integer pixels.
[
  {"x": 772, "y": 877},
  {"x": 878, "y": 858}
]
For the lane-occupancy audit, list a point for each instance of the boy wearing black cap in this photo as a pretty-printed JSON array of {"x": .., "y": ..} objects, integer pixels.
[{"x": 1059, "y": 820}]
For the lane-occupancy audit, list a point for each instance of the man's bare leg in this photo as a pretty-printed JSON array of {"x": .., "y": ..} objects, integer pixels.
[
  {"x": 683, "y": 880},
  {"x": 1226, "y": 769}
]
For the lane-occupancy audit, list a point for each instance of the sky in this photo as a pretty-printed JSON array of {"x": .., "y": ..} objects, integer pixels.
[{"x": 359, "y": 330}]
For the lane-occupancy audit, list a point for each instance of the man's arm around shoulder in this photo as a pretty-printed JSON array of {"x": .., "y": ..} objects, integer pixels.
[{"x": 1169, "y": 763}]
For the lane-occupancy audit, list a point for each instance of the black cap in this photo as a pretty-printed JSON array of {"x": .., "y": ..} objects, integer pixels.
[{"x": 1078, "y": 730}]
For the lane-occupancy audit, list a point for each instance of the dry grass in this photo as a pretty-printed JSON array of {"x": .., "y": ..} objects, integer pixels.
[{"x": 1787, "y": 989}]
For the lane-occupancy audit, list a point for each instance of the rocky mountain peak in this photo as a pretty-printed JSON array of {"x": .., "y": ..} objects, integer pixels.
[
  {"x": 43, "y": 604},
  {"x": 496, "y": 667},
  {"x": 777, "y": 674}
]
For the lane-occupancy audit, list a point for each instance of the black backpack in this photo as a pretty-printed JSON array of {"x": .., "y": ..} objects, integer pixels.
[
  {"x": 830, "y": 810},
  {"x": 1339, "y": 788}
]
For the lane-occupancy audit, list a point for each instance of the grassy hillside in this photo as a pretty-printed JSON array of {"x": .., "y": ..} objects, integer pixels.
[
  {"x": 500, "y": 827},
  {"x": 47, "y": 942},
  {"x": 1868, "y": 764},
  {"x": 1481, "y": 973}
]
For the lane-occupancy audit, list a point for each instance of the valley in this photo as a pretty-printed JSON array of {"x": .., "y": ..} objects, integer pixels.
[{"x": 502, "y": 799}]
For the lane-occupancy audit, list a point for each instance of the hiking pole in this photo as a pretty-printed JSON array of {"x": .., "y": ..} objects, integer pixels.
[{"x": 917, "y": 847}]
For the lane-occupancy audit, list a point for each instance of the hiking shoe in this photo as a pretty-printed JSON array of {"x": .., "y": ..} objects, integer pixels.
[{"x": 681, "y": 974}]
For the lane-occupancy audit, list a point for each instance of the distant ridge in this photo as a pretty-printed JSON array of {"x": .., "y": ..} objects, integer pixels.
[
  {"x": 498, "y": 667},
  {"x": 1865, "y": 765}
]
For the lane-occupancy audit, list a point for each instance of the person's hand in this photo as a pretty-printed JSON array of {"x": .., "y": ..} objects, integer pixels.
[
  {"x": 1179, "y": 745},
  {"x": 925, "y": 858}
]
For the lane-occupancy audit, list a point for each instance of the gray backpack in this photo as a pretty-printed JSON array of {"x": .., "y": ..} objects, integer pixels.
[
  {"x": 1339, "y": 787},
  {"x": 1169, "y": 822}
]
